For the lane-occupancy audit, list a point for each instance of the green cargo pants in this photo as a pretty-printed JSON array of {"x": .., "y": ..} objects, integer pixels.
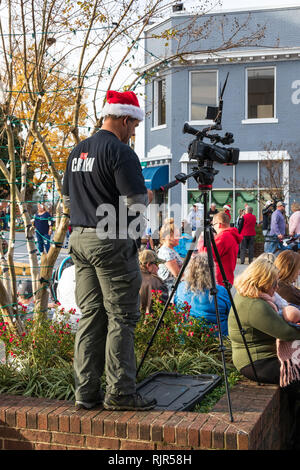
[{"x": 108, "y": 281}]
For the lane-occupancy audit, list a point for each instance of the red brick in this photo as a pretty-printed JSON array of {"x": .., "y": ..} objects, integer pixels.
[
  {"x": 136, "y": 445},
  {"x": 82, "y": 421},
  {"x": 18, "y": 445},
  {"x": 231, "y": 438},
  {"x": 103, "y": 443},
  {"x": 194, "y": 430},
  {"x": 162, "y": 446},
  {"x": 43, "y": 415},
  {"x": 68, "y": 439},
  {"x": 157, "y": 425},
  {"x": 109, "y": 423},
  {"x": 218, "y": 441},
  {"x": 36, "y": 435},
  {"x": 64, "y": 419},
  {"x": 181, "y": 429},
  {"x": 206, "y": 433},
  {"x": 145, "y": 425},
  {"x": 121, "y": 423},
  {"x": 97, "y": 423},
  {"x": 242, "y": 441},
  {"x": 169, "y": 427},
  {"x": 53, "y": 418},
  {"x": 9, "y": 433},
  {"x": 133, "y": 425},
  {"x": 41, "y": 446}
]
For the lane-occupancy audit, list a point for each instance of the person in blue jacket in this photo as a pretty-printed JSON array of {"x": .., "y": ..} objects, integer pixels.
[{"x": 195, "y": 289}]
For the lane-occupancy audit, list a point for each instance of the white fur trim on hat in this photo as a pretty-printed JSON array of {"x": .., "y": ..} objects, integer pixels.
[
  {"x": 117, "y": 109},
  {"x": 226, "y": 207}
]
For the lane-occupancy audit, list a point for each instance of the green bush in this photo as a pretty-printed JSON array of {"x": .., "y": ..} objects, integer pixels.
[
  {"x": 39, "y": 363},
  {"x": 178, "y": 330}
]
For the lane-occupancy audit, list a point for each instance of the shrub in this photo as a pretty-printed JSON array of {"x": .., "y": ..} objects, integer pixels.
[
  {"x": 41, "y": 345},
  {"x": 178, "y": 329}
]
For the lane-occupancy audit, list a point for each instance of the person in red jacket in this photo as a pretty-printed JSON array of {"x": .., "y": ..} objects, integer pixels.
[
  {"x": 227, "y": 243},
  {"x": 227, "y": 209},
  {"x": 247, "y": 229}
]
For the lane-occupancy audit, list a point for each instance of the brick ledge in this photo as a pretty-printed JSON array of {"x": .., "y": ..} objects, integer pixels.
[{"x": 259, "y": 414}]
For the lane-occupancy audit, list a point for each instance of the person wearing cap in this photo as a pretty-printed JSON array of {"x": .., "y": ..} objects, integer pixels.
[
  {"x": 227, "y": 209},
  {"x": 278, "y": 227},
  {"x": 150, "y": 280},
  {"x": 267, "y": 214},
  {"x": 103, "y": 181}
]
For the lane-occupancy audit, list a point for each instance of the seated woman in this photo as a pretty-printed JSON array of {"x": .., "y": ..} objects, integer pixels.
[
  {"x": 261, "y": 323},
  {"x": 169, "y": 238},
  {"x": 150, "y": 281},
  {"x": 288, "y": 264},
  {"x": 195, "y": 289}
]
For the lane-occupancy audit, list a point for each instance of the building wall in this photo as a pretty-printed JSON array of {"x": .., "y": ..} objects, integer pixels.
[{"x": 280, "y": 134}]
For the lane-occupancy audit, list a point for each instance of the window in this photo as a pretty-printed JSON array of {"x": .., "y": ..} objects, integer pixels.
[
  {"x": 159, "y": 103},
  {"x": 203, "y": 93},
  {"x": 261, "y": 93}
]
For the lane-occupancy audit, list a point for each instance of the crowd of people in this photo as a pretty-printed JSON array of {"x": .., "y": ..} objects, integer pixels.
[{"x": 114, "y": 278}]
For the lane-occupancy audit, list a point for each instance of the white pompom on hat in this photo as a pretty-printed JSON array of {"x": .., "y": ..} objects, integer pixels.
[
  {"x": 122, "y": 104},
  {"x": 227, "y": 206}
]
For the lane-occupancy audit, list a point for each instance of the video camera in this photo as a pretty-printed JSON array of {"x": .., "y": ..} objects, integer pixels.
[
  {"x": 205, "y": 154},
  {"x": 200, "y": 151}
]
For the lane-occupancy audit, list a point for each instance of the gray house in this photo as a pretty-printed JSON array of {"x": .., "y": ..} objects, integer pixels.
[{"x": 261, "y": 105}]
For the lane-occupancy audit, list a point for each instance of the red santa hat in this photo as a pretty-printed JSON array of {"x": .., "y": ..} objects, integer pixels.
[
  {"x": 227, "y": 206},
  {"x": 122, "y": 104}
]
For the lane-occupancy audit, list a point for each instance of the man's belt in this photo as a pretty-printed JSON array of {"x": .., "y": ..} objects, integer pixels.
[{"x": 84, "y": 229}]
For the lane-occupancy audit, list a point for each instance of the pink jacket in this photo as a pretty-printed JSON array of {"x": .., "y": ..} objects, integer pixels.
[{"x": 294, "y": 223}]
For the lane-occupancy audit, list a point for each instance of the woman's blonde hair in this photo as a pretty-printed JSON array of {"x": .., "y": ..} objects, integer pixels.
[
  {"x": 288, "y": 264},
  {"x": 168, "y": 228},
  {"x": 295, "y": 206},
  {"x": 269, "y": 256},
  {"x": 260, "y": 276},
  {"x": 197, "y": 276}
]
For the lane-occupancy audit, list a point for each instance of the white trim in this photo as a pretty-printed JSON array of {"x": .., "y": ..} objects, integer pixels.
[
  {"x": 158, "y": 152},
  {"x": 201, "y": 121},
  {"x": 156, "y": 103},
  {"x": 264, "y": 120},
  {"x": 204, "y": 122},
  {"x": 252, "y": 156},
  {"x": 229, "y": 57},
  {"x": 260, "y": 121},
  {"x": 157, "y": 128},
  {"x": 258, "y": 155},
  {"x": 184, "y": 191}
]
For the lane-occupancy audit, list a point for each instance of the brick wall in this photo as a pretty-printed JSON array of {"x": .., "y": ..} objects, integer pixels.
[{"x": 259, "y": 412}]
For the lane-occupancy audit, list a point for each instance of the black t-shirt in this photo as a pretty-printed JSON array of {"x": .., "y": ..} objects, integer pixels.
[{"x": 99, "y": 170}]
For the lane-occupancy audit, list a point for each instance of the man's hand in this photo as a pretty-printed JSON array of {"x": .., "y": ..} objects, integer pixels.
[
  {"x": 150, "y": 195},
  {"x": 280, "y": 236}
]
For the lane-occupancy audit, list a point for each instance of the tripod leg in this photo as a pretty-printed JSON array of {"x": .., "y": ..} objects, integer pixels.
[
  {"x": 228, "y": 286},
  {"x": 214, "y": 292}
]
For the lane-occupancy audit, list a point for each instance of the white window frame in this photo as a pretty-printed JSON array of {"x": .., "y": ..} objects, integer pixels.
[
  {"x": 260, "y": 120},
  {"x": 155, "y": 126},
  {"x": 201, "y": 122}
]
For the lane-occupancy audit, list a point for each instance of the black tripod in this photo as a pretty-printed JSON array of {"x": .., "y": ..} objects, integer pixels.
[{"x": 209, "y": 242}]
